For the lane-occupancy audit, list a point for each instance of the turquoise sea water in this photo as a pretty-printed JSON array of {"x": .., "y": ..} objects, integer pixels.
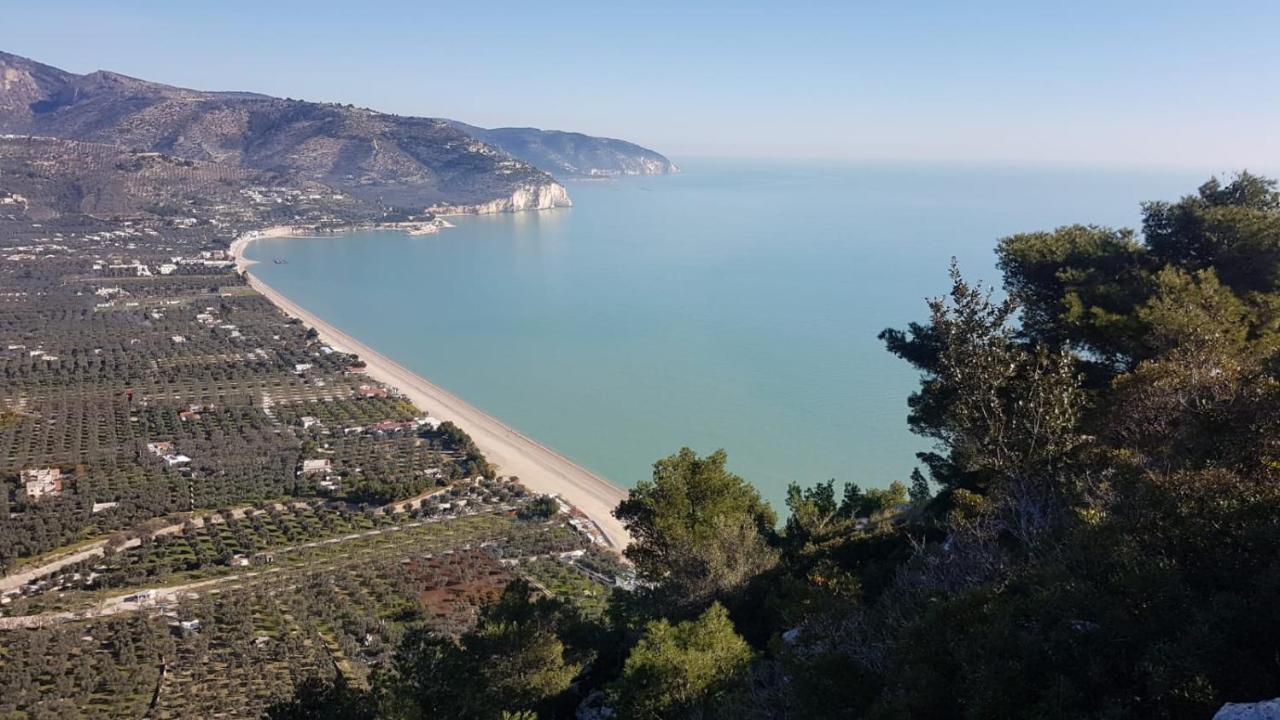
[{"x": 733, "y": 306}]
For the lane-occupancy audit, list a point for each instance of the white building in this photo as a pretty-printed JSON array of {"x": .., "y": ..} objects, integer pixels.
[
  {"x": 40, "y": 482},
  {"x": 316, "y": 465}
]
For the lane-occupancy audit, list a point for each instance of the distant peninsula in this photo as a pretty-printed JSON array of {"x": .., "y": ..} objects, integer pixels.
[{"x": 571, "y": 154}]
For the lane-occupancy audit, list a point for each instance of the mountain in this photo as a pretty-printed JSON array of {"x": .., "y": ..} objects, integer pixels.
[
  {"x": 377, "y": 157},
  {"x": 570, "y": 154}
]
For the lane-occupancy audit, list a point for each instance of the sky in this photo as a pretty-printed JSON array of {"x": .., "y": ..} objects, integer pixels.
[{"x": 1118, "y": 83}]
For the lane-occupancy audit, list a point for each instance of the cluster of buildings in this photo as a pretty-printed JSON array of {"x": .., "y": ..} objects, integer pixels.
[
  {"x": 137, "y": 268},
  {"x": 42, "y": 482},
  {"x": 33, "y": 353},
  {"x": 165, "y": 451},
  {"x": 308, "y": 422},
  {"x": 579, "y": 521},
  {"x": 261, "y": 195}
]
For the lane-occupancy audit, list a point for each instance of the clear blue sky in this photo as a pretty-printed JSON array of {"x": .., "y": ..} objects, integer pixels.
[{"x": 1117, "y": 83}]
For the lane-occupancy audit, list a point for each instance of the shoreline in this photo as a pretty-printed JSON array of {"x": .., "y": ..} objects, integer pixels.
[
  {"x": 538, "y": 467},
  {"x": 238, "y": 246}
]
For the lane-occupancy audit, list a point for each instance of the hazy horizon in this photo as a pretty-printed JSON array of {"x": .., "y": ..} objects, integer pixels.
[{"x": 996, "y": 83}]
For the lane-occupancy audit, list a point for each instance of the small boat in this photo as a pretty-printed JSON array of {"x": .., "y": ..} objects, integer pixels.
[{"x": 278, "y": 261}]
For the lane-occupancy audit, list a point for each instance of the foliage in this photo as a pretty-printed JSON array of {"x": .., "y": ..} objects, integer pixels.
[
  {"x": 512, "y": 661},
  {"x": 540, "y": 508},
  {"x": 317, "y": 699},
  {"x": 699, "y": 531},
  {"x": 684, "y": 670}
]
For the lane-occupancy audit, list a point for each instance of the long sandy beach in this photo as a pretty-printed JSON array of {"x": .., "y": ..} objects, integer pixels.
[{"x": 539, "y": 468}]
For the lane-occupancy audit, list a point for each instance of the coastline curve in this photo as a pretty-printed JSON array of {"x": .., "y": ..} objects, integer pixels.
[{"x": 538, "y": 467}]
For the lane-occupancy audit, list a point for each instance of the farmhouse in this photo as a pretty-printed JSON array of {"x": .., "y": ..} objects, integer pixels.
[
  {"x": 42, "y": 481},
  {"x": 175, "y": 459},
  {"x": 316, "y": 465}
]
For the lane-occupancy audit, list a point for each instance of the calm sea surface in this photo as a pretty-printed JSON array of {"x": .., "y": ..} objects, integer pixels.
[{"x": 733, "y": 306}]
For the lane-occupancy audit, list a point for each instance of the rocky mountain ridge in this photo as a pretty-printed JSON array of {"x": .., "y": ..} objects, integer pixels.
[
  {"x": 384, "y": 160},
  {"x": 388, "y": 160}
]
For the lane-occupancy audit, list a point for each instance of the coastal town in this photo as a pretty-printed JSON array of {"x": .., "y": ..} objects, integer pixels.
[{"x": 238, "y": 496}]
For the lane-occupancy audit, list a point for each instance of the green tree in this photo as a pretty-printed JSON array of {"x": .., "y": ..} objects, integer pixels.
[
  {"x": 814, "y": 512},
  {"x": 851, "y": 500},
  {"x": 1077, "y": 287},
  {"x": 512, "y": 661},
  {"x": 879, "y": 500},
  {"x": 540, "y": 508},
  {"x": 317, "y": 699},
  {"x": 685, "y": 670},
  {"x": 999, "y": 410},
  {"x": 698, "y": 531},
  {"x": 1233, "y": 228},
  {"x": 919, "y": 493}
]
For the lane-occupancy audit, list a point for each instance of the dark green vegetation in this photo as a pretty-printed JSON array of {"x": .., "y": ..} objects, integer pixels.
[
  {"x": 1098, "y": 535},
  {"x": 339, "y": 612}
]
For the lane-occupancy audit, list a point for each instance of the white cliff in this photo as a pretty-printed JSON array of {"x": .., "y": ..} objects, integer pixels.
[{"x": 542, "y": 196}]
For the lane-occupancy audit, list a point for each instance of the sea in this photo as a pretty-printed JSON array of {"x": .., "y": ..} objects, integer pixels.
[{"x": 735, "y": 305}]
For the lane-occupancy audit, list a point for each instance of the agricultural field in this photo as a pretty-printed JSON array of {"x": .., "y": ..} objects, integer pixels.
[
  {"x": 225, "y": 649},
  {"x": 146, "y": 379},
  {"x": 202, "y": 505}
]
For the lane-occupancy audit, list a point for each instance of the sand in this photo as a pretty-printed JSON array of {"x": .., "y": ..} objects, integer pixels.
[{"x": 538, "y": 467}]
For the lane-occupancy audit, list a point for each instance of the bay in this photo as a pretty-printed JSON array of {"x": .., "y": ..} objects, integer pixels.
[{"x": 735, "y": 305}]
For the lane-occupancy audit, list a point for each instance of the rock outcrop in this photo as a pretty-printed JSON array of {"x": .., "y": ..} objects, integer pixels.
[{"x": 542, "y": 196}]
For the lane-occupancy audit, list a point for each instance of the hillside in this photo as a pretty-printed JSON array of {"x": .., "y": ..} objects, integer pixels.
[
  {"x": 570, "y": 154},
  {"x": 55, "y": 177},
  {"x": 388, "y": 159}
]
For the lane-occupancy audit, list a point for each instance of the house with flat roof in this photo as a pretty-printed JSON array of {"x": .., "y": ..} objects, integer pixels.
[
  {"x": 42, "y": 482},
  {"x": 316, "y": 465}
]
